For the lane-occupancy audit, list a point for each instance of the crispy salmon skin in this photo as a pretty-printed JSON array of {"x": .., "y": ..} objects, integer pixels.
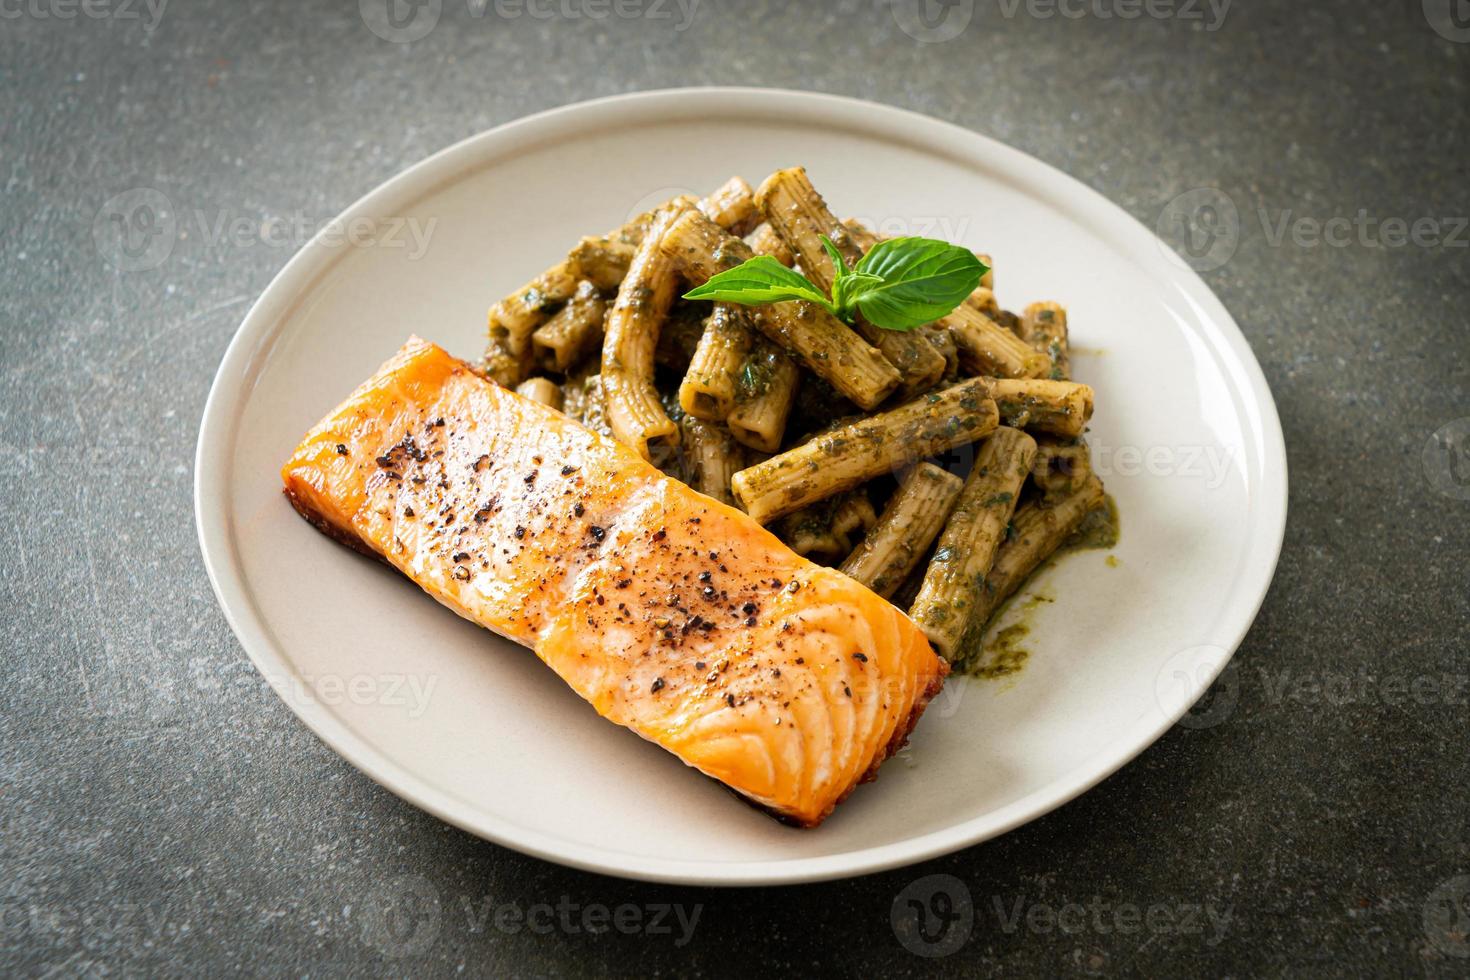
[{"x": 672, "y": 614}]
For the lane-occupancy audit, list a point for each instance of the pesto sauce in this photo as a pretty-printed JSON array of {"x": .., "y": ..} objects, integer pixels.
[
  {"x": 1099, "y": 530},
  {"x": 1006, "y": 655}
]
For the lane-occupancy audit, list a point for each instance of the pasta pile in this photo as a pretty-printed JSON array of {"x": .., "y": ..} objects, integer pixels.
[{"x": 808, "y": 424}]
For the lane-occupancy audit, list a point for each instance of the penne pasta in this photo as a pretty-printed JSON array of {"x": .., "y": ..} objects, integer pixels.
[
  {"x": 854, "y": 516},
  {"x": 711, "y": 457},
  {"x": 1037, "y": 530},
  {"x": 503, "y": 366},
  {"x": 602, "y": 261},
  {"x": 983, "y": 300},
  {"x": 711, "y": 382},
  {"x": 819, "y": 340},
  {"x": 573, "y": 333},
  {"x": 1063, "y": 466},
  {"x": 913, "y": 518},
  {"x": 986, "y": 348},
  {"x": 542, "y": 390},
  {"x": 852, "y": 454},
  {"x": 800, "y": 217},
  {"x": 943, "y": 342},
  {"x": 1062, "y": 408},
  {"x": 515, "y": 318},
  {"x": 824, "y": 532},
  {"x": 1044, "y": 327},
  {"x": 732, "y": 206},
  {"x": 910, "y": 522},
  {"x": 1063, "y": 463},
  {"x": 765, "y": 241},
  {"x": 954, "y": 580},
  {"x": 634, "y": 411},
  {"x": 765, "y": 392}
]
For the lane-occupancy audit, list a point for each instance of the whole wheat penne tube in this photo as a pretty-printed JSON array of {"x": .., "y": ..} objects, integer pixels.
[
  {"x": 602, "y": 261},
  {"x": 768, "y": 384},
  {"x": 943, "y": 341},
  {"x": 1037, "y": 530},
  {"x": 853, "y": 517},
  {"x": 765, "y": 241},
  {"x": 852, "y": 454},
  {"x": 514, "y": 318},
  {"x": 732, "y": 206},
  {"x": 968, "y": 544},
  {"x": 573, "y": 333},
  {"x": 505, "y": 367},
  {"x": 819, "y": 340},
  {"x": 1044, "y": 327},
  {"x": 800, "y": 217},
  {"x": 989, "y": 349},
  {"x": 1063, "y": 466},
  {"x": 713, "y": 376},
  {"x": 910, "y": 522},
  {"x": 542, "y": 390},
  {"x": 634, "y": 411},
  {"x": 711, "y": 457},
  {"x": 983, "y": 299},
  {"x": 1062, "y": 408},
  {"x": 824, "y": 531}
]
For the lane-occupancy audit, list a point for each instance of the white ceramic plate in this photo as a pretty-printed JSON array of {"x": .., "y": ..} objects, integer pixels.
[{"x": 478, "y": 732}]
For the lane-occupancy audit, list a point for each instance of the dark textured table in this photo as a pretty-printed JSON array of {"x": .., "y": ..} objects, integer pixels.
[{"x": 161, "y": 811}]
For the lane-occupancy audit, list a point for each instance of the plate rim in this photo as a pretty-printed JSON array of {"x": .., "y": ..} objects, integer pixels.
[{"x": 261, "y": 327}]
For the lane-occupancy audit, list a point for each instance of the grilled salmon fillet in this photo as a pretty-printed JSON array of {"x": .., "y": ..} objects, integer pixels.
[{"x": 671, "y": 613}]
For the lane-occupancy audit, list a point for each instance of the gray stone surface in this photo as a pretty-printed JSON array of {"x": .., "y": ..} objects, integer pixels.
[{"x": 161, "y": 811}]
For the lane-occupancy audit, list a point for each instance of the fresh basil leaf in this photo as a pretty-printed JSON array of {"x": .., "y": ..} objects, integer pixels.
[
  {"x": 845, "y": 287},
  {"x": 839, "y": 264},
  {"x": 923, "y": 280},
  {"x": 757, "y": 281}
]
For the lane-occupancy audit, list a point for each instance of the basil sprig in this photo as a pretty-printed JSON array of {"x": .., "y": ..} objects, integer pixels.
[{"x": 902, "y": 283}]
